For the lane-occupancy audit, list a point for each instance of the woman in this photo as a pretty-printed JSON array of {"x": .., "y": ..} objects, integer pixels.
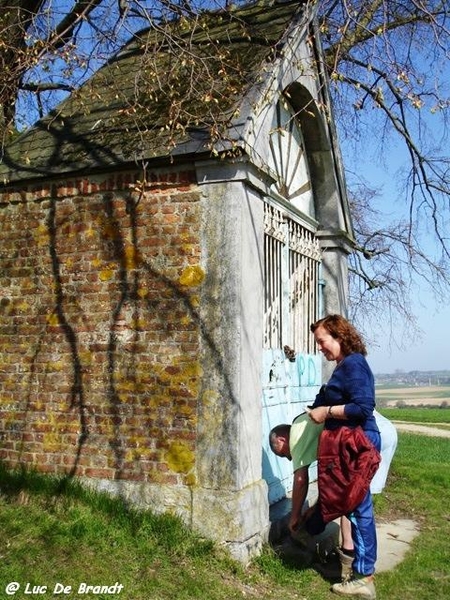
[{"x": 348, "y": 400}]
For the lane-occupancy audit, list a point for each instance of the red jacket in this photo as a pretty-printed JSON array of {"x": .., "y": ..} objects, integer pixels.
[{"x": 347, "y": 461}]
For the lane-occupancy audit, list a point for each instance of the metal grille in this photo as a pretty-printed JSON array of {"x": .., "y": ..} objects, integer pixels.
[
  {"x": 291, "y": 265},
  {"x": 274, "y": 243},
  {"x": 304, "y": 261}
]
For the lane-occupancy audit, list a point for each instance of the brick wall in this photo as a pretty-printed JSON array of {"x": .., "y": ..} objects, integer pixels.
[{"x": 99, "y": 336}]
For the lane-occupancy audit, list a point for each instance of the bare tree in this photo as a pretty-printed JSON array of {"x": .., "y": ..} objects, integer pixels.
[
  {"x": 37, "y": 40},
  {"x": 389, "y": 66},
  {"x": 387, "y": 62}
]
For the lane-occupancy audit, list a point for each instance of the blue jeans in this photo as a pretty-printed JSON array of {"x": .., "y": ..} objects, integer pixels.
[{"x": 364, "y": 531}]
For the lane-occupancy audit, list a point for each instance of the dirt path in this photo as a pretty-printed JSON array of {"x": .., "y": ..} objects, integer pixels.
[{"x": 432, "y": 429}]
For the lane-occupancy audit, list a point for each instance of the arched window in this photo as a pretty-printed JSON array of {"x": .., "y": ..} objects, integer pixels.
[{"x": 288, "y": 160}]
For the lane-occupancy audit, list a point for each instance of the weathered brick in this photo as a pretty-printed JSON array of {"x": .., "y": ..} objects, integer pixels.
[{"x": 83, "y": 347}]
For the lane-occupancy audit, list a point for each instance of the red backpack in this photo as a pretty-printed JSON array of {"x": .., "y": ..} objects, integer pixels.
[{"x": 347, "y": 461}]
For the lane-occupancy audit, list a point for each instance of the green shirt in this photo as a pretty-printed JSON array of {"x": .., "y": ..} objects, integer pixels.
[{"x": 304, "y": 441}]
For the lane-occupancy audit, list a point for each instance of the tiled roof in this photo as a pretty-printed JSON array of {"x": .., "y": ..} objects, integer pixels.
[{"x": 123, "y": 113}]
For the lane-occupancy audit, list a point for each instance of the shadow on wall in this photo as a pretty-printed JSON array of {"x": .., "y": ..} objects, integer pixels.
[
  {"x": 133, "y": 342},
  {"x": 273, "y": 481}
]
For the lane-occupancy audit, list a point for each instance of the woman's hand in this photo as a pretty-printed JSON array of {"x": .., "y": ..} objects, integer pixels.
[{"x": 319, "y": 414}]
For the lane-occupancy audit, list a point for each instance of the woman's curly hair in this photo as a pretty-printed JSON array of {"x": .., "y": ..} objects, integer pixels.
[{"x": 338, "y": 327}]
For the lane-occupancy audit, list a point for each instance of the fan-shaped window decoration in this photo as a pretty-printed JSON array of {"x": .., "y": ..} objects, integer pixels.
[{"x": 289, "y": 161}]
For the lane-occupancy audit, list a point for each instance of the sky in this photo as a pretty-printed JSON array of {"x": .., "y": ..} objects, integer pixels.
[
  {"x": 431, "y": 350},
  {"x": 429, "y": 353}
]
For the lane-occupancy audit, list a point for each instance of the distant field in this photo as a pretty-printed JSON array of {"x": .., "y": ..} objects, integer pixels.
[{"x": 431, "y": 395}]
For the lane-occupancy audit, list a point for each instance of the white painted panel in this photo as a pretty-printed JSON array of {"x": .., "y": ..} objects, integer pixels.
[{"x": 287, "y": 388}]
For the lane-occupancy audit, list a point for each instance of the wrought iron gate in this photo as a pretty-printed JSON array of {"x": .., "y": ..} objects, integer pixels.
[{"x": 291, "y": 369}]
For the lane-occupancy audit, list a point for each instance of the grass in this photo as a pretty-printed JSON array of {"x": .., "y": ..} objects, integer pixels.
[
  {"x": 57, "y": 532},
  {"x": 417, "y": 415},
  {"x": 419, "y": 488}
]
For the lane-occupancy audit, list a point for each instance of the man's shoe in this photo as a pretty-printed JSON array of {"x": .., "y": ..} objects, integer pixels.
[
  {"x": 346, "y": 565},
  {"x": 357, "y": 588}
]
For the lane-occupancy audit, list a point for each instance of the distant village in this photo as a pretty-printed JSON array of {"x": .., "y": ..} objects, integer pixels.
[{"x": 413, "y": 378}]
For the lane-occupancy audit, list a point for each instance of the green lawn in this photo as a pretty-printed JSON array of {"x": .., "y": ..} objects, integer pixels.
[
  {"x": 417, "y": 415},
  {"x": 57, "y": 536}
]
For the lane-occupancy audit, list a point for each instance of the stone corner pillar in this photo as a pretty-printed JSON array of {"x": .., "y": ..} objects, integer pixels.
[{"x": 237, "y": 519}]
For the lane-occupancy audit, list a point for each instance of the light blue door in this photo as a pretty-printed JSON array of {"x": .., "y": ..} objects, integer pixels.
[
  {"x": 290, "y": 379},
  {"x": 288, "y": 388}
]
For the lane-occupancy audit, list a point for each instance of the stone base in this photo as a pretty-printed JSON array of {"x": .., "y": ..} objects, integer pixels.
[{"x": 238, "y": 519}]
